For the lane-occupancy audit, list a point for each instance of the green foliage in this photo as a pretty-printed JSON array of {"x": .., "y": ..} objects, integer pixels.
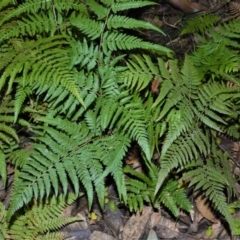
[
  {"x": 232, "y": 207},
  {"x": 213, "y": 178},
  {"x": 40, "y": 218},
  {"x": 218, "y": 45},
  {"x": 200, "y": 24},
  {"x": 68, "y": 74},
  {"x": 141, "y": 187}
]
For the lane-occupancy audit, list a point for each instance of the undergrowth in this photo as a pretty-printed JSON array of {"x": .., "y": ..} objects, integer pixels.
[{"x": 83, "y": 88}]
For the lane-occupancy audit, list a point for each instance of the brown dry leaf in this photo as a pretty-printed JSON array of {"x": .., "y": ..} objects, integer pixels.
[
  {"x": 136, "y": 224},
  {"x": 155, "y": 219},
  {"x": 204, "y": 208},
  {"x": 155, "y": 86},
  {"x": 167, "y": 228},
  {"x": 96, "y": 235}
]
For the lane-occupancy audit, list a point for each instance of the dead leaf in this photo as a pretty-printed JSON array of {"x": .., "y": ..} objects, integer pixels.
[
  {"x": 167, "y": 229},
  {"x": 204, "y": 208},
  {"x": 97, "y": 235},
  {"x": 155, "y": 219},
  {"x": 155, "y": 85},
  {"x": 136, "y": 224}
]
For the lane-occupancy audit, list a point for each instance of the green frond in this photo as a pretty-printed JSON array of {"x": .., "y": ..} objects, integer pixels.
[
  {"x": 43, "y": 217},
  {"x": 213, "y": 183},
  {"x": 7, "y": 131},
  {"x": 62, "y": 102},
  {"x": 21, "y": 94},
  {"x": 3, "y": 168},
  {"x": 121, "y": 5},
  {"x": 140, "y": 189},
  {"x": 178, "y": 123},
  {"x": 90, "y": 27},
  {"x": 200, "y": 24},
  {"x": 116, "y": 21},
  {"x": 177, "y": 86},
  {"x": 183, "y": 150},
  {"x": 120, "y": 41},
  {"x": 19, "y": 157},
  {"x": 84, "y": 55},
  {"x": 212, "y": 102},
  {"x": 3, "y": 223},
  {"x": 174, "y": 198},
  {"x": 98, "y": 9},
  {"x": 32, "y": 6},
  {"x": 115, "y": 148},
  {"x": 65, "y": 69},
  {"x": 216, "y": 56},
  {"x": 138, "y": 76}
]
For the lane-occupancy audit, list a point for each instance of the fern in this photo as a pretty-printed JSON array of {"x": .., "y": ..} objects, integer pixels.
[
  {"x": 211, "y": 179},
  {"x": 65, "y": 67},
  {"x": 42, "y": 219},
  {"x": 141, "y": 188},
  {"x": 200, "y": 24},
  {"x": 215, "y": 49},
  {"x": 65, "y": 160}
]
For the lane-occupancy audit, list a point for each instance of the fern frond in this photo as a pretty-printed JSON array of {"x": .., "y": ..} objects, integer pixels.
[
  {"x": 42, "y": 218},
  {"x": 119, "y": 41},
  {"x": 185, "y": 148},
  {"x": 116, "y": 21},
  {"x": 3, "y": 168},
  {"x": 33, "y": 7},
  {"x": 178, "y": 86},
  {"x": 200, "y": 24},
  {"x": 138, "y": 76},
  {"x": 140, "y": 188},
  {"x": 84, "y": 55},
  {"x": 90, "y": 27},
  {"x": 173, "y": 198},
  {"x": 216, "y": 56},
  {"x": 98, "y": 9},
  {"x": 126, "y": 113},
  {"x": 21, "y": 94},
  {"x": 121, "y": 5},
  {"x": 60, "y": 155},
  {"x": 3, "y": 223},
  {"x": 213, "y": 183}
]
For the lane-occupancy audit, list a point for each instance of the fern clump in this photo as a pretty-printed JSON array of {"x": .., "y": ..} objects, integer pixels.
[
  {"x": 141, "y": 187},
  {"x": 86, "y": 88},
  {"x": 41, "y": 220}
]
